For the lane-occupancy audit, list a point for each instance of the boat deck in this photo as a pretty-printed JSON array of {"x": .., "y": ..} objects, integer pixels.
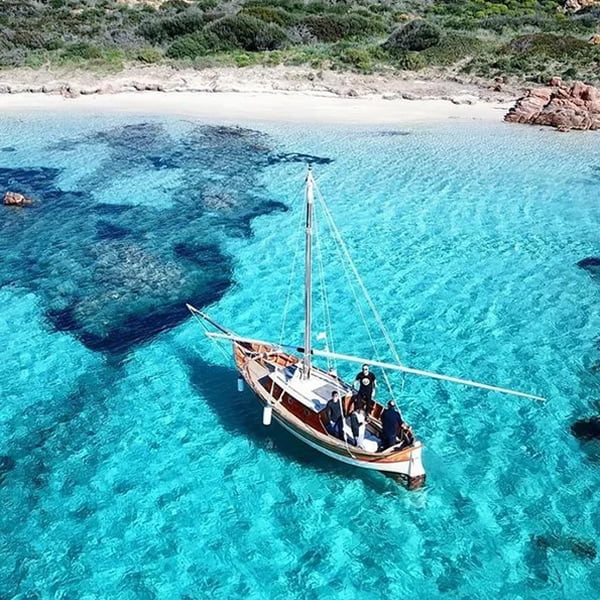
[{"x": 314, "y": 393}]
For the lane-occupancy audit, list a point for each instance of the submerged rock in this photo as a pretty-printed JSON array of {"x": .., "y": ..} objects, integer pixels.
[
  {"x": 586, "y": 429},
  {"x": 577, "y": 546},
  {"x": 115, "y": 271},
  {"x": 591, "y": 264},
  {"x": 590, "y": 261},
  {"x": 559, "y": 105},
  {"x": 7, "y": 464},
  {"x": 16, "y": 199}
]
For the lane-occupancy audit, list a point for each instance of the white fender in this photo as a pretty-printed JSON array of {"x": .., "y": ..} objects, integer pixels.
[{"x": 267, "y": 414}]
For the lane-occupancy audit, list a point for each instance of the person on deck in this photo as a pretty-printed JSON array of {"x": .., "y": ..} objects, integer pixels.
[
  {"x": 406, "y": 436},
  {"x": 391, "y": 421},
  {"x": 334, "y": 412},
  {"x": 366, "y": 382}
]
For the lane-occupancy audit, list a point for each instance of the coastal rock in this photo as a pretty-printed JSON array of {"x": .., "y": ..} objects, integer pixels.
[
  {"x": 559, "y": 105},
  {"x": 16, "y": 199},
  {"x": 69, "y": 91},
  {"x": 586, "y": 429},
  {"x": 577, "y": 5}
]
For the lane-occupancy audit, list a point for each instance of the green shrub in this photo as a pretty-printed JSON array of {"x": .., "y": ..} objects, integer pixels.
[
  {"x": 416, "y": 35},
  {"x": 81, "y": 50},
  {"x": 148, "y": 55},
  {"x": 288, "y": 5},
  {"x": 409, "y": 61},
  {"x": 548, "y": 44},
  {"x": 193, "y": 45},
  {"x": 357, "y": 58},
  {"x": 207, "y": 4},
  {"x": 29, "y": 39},
  {"x": 174, "y": 6},
  {"x": 248, "y": 33},
  {"x": 452, "y": 48},
  {"x": 332, "y": 27},
  {"x": 159, "y": 30},
  {"x": 269, "y": 14}
]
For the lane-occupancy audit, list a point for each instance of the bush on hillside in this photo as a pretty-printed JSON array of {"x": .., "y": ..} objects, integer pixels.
[
  {"x": 333, "y": 27},
  {"x": 174, "y": 6},
  {"x": 193, "y": 45},
  {"x": 269, "y": 14},
  {"x": 81, "y": 51},
  {"x": 452, "y": 48},
  {"x": 548, "y": 44},
  {"x": 415, "y": 36},
  {"x": 247, "y": 33},
  {"x": 163, "y": 29}
]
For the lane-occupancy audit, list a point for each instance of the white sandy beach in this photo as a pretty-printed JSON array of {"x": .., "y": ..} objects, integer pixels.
[
  {"x": 294, "y": 94},
  {"x": 276, "y": 106}
]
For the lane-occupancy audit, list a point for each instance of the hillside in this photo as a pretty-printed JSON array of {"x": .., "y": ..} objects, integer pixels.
[{"x": 515, "y": 41}]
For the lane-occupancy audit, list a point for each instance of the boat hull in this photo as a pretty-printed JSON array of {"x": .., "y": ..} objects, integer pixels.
[{"x": 405, "y": 465}]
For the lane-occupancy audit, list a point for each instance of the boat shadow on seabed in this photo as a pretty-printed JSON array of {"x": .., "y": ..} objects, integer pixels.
[{"x": 240, "y": 415}]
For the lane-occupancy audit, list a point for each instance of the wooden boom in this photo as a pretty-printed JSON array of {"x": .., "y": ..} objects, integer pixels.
[{"x": 383, "y": 365}]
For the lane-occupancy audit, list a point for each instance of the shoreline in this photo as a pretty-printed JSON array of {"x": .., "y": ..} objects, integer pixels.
[
  {"x": 293, "y": 94},
  {"x": 293, "y": 107}
]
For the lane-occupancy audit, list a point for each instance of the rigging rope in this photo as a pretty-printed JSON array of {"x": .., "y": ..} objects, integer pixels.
[
  {"x": 215, "y": 340},
  {"x": 344, "y": 253},
  {"x": 364, "y": 290},
  {"x": 324, "y": 299},
  {"x": 290, "y": 280}
]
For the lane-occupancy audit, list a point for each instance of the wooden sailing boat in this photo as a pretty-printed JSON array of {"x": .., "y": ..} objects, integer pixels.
[{"x": 295, "y": 392}]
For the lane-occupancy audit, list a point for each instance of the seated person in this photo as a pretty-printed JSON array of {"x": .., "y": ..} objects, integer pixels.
[
  {"x": 358, "y": 422},
  {"x": 390, "y": 425},
  {"x": 406, "y": 436},
  {"x": 334, "y": 415}
]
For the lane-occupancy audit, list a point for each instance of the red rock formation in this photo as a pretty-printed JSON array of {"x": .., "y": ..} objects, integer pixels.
[
  {"x": 560, "y": 106},
  {"x": 15, "y": 199}
]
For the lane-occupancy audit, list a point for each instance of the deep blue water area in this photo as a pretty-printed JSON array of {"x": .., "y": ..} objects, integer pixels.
[{"x": 131, "y": 468}]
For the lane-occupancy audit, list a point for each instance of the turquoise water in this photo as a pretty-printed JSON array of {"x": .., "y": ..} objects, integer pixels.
[{"x": 131, "y": 468}]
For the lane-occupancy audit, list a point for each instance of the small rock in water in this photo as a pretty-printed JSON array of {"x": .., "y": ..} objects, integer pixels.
[
  {"x": 16, "y": 199},
  {"x": 586, "y": 429}
]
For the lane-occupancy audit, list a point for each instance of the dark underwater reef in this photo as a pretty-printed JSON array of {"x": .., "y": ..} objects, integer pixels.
[
  {"x": 586, "y": 429},
  {"x": 591, "y": 264},
  {"x": 115, "y": 275},
  {"x": 589, "y": 428}
]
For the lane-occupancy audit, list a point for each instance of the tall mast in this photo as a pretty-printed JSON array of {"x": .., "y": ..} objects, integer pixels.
[{"x": 308, "y": 274}]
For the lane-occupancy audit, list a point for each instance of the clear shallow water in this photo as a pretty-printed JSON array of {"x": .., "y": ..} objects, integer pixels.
[{"x": 132, "y": 468}]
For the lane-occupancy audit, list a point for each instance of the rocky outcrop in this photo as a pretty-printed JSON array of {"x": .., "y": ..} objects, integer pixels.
[
  {"x": 15, "y": 199},
  {"x": 574, "y": 6},
  {"x": 559, "y": 105}
]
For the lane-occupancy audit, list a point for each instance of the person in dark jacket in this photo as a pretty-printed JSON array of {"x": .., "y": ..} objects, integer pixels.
[
  {"x": 335, "y": 415},
  {"x": 365, "y": 382},
  {"x": 390, "y": 425}
]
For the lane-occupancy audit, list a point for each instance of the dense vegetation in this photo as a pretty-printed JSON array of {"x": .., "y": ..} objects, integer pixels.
[{"x": 529, "y": 38}]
